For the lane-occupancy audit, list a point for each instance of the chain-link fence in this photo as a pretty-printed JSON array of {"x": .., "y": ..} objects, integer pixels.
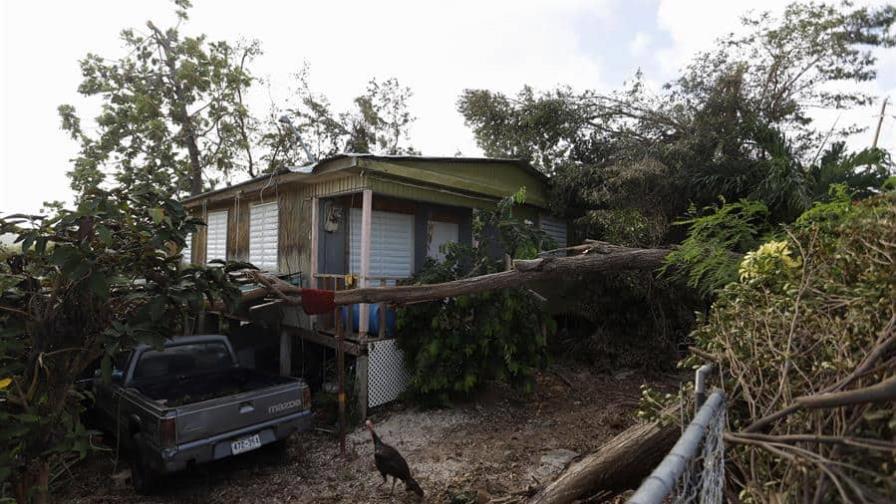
[{"x": 694, "y": 471}]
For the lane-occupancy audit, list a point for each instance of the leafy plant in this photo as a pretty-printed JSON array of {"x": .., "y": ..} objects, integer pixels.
[
  {"x": 454, "y": 346},
  {"x": 84, "y": 284},
  {"x": 708, "y": 258},
  {"x": 813, "y": 313}
]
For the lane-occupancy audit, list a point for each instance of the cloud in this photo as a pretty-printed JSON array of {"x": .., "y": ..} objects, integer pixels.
[
  {"x": 638, "y": 46},
  {"x": 437, "y": 49}
]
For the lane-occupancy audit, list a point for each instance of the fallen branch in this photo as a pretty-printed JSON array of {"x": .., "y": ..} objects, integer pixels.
[
  {"x": 618, "y": 465},
  {"x": 523, "y": 272}
]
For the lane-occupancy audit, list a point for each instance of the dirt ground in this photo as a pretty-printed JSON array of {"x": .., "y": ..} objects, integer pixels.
[{"x": 496, "y": 449}]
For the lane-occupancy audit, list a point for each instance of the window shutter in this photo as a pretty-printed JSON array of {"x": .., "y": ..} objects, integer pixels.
[
  {"x": 264, "y": 226},
  {"x": 216, "y": 237},
  {"x": 391, "y": 243},
  {"x": 555, "y": 228}
]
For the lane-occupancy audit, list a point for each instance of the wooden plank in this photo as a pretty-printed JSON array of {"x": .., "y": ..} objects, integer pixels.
[{"x": 323, "y": 338}]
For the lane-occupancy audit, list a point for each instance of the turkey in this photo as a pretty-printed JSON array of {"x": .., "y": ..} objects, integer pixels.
[{"x": 390, "y": 463}]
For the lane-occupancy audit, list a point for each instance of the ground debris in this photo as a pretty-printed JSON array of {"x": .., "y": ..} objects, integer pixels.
[{"x": 498, "y": 449}]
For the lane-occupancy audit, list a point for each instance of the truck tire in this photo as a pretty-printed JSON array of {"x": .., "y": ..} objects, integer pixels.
[{"x": 142, "y": 475}]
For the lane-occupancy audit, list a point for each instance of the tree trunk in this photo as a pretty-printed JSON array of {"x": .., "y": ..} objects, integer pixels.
[
  {"x": 32, "y": 486},
  {"x": 179, "y": 112},
  {"x": 611, "y": 258},
  {"x": 523, "y": 272},
  {"x": 621, "y": 464}
]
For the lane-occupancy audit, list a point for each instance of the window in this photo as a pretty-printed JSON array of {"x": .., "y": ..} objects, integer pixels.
[
  {"x": 216, "y": 238},
  {"x": 391, "y": 243},
  {"x": 187, "y": 251},
  {"x": 554, "y": 228},
  {"x": 441, "y": 233},
  {"x": 264, "y": 226}
]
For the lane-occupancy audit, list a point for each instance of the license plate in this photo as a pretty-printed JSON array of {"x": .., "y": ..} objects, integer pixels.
[{"x": 245, "y": 444}]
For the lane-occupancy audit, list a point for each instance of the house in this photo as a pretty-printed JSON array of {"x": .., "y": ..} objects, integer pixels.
[{"x": 359, "y": 220}]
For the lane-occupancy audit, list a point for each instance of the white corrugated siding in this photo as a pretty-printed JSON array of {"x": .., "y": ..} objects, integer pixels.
[
  {"x": 187, "y": 251},
  {"x": 441, "y": 233},
  {"x": 216, "y": 236},
  {"x": 264, "y": 226},
  {"x": 555, "y": 228},
  {"x": 391, "y": 243}
]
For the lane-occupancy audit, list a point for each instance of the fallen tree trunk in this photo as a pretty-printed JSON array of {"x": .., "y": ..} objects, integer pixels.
[
  {"x": 522, "y": 273},
  {"x": 601, "y": 259},
  {"x": 620, "y": 464}
]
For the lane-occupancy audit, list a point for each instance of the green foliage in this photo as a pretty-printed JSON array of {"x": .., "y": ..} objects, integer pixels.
[
  {"x": 813, "y": 305},
  {"x": 172, "y": 116},
  {"x": 84, "y": 284},
  {"x": 708, "y": 258},
  {"x": 735, "y": 124},
  {"x": 378, "y": 122},
  {"x": 456, "y": 345}
]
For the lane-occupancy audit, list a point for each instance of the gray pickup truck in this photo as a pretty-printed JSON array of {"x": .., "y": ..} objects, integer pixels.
[{"x": 191, "y": 403}]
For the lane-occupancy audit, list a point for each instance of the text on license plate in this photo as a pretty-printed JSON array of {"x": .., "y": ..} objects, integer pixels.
[{"x": 245, "y": 444}]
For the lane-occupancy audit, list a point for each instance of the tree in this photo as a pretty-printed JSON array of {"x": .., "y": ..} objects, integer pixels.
[
  {"x": 378, "y": 122},
  {"x": 172, "y": 116},
  {"x": 735, "y": 124},
  {"x": 85, "y": 284}
]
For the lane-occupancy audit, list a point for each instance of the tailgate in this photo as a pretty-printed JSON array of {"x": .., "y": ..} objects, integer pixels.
[{"x": 225, "y": 414}]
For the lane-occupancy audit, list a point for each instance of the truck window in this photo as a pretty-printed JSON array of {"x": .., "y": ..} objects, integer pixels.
[{"x": 178, "y": 360}]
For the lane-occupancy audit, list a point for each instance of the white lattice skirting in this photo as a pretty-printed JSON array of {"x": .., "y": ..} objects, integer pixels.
[{"x": 387, "y": 377}]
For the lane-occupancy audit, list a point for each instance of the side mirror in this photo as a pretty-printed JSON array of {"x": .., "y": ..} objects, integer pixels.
[{"x": 117, "y": 376}]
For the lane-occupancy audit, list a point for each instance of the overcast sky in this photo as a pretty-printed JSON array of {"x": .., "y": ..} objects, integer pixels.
[{"x": 436, "y": 48}]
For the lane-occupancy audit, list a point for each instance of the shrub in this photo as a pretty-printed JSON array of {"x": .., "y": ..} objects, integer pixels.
[
  {"x": 455, "y": 345},
  {"x": 806, "y": 311}
]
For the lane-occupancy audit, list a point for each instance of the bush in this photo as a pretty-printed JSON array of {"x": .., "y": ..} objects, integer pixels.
[
  {"x": 805, "y": 312},
  {"x": 454, "y": 346}
]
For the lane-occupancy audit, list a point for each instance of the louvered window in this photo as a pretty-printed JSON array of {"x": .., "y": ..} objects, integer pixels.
[
  {"x": 555, "y": 228},
  {"x": 264, "y": 226},
  {"x": 391, "y": 243},
  {"x": 216, "y": 241}
]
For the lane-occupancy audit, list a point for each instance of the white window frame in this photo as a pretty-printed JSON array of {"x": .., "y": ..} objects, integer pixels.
[
  {"x": 213, "y": 221},
  {"x": 260, "y": 241}
]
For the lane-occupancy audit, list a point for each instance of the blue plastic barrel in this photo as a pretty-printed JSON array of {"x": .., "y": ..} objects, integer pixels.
[{"x": 373, "y": 320}]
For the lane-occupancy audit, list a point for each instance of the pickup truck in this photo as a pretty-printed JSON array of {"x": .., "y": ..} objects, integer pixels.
[{"x": 191, "y": 403}]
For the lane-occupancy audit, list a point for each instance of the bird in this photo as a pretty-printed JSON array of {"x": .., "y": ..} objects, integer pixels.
[{"x": 390, "y": 463}]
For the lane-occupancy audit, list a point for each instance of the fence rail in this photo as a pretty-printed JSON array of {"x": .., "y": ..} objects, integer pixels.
[{"x": 694, "y": 471}]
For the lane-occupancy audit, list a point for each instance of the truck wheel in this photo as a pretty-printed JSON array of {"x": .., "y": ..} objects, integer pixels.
[{"x": 142, "y": 475}]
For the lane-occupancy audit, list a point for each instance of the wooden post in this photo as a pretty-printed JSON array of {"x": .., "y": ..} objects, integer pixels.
[
  {"x": 285, "y": 353},
  {"x": 315, "y": 238},
  {"x": 364, "y": 309},
  {"x": 340, "y": 370}
]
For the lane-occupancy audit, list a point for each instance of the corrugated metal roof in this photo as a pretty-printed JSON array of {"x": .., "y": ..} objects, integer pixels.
[{"x": 311, "y": 169}]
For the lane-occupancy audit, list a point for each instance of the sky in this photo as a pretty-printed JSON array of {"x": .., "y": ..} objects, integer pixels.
[{"x": 436, "y": 48}]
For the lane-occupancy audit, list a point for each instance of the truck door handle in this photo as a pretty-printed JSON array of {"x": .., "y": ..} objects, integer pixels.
[{"x": 246, "y": 407}]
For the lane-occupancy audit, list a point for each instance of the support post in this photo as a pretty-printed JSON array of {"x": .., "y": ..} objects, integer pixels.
[
  {"x": 364, "y": 309},
  {"x": 285, "y": 353},
  {"x": 340, "y": 370},
  {"x": 315, "y": 238}
]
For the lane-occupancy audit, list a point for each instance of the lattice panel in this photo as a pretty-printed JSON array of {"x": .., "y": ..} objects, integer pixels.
[{"x": 387, "y": 377}]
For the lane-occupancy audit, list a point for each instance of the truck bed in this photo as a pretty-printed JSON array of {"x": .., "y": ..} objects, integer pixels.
[{"x": 180, "y": 391}]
